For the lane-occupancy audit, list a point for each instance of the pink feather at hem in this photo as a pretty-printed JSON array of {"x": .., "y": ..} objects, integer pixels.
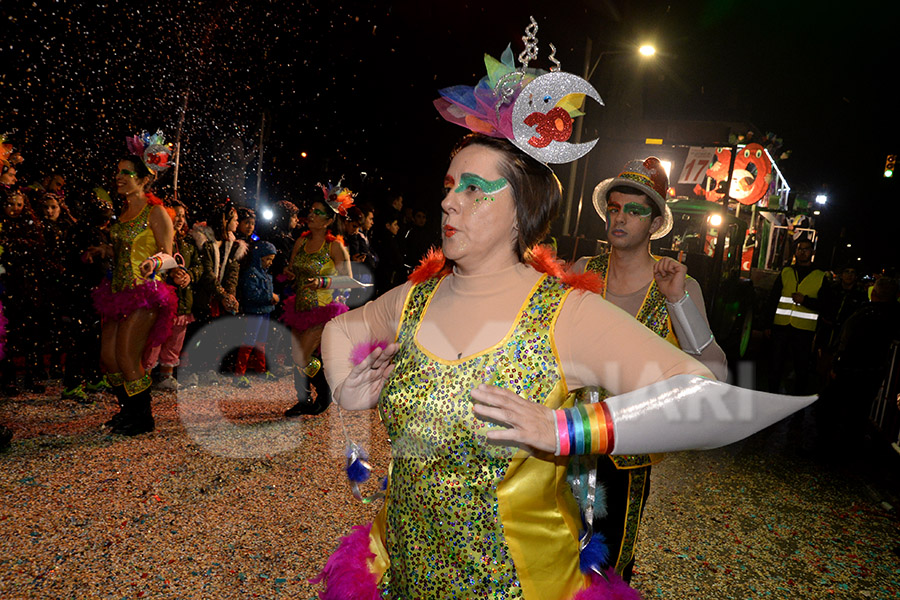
[
  {"x": 614, "y": 589},
  {"x": 302, "y": 320},
  {"x": 346, "y": 574},
  {"x": 153, "y": 295}
]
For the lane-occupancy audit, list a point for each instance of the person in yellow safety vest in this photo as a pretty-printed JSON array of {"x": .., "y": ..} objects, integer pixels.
[{"x": 795, "y": 294}]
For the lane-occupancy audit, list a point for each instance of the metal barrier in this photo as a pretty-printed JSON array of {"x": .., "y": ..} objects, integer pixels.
[{"x": 885, "y": 412}]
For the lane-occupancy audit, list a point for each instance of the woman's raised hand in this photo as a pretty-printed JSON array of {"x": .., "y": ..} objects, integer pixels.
[
  {"x": 528, "y": 423},
  {"x": 362, "y": 387}
]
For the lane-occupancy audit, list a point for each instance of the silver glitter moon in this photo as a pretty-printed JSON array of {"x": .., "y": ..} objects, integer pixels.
[{"x": 541, "y": 95}]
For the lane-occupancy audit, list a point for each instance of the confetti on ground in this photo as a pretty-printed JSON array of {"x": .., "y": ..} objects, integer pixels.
[{"x": 229, "y": 500}]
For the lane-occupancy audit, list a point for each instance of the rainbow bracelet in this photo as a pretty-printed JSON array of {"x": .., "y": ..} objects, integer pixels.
[
  {"x": 584, "y": 429},
  {"x": 323, "y": 282}
]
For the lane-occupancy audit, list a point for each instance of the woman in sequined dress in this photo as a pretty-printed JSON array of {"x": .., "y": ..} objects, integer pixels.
[
  {"x": 137, "y": 306},
  {"x": 317, "y": 254},
  {"x": 485, "y": 343}
]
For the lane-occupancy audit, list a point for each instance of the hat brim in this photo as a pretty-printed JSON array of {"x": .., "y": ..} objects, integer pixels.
[{"x": 599, "y": 199}]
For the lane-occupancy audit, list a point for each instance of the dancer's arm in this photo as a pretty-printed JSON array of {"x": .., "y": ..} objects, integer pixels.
[{"x": 358, "y": 387}]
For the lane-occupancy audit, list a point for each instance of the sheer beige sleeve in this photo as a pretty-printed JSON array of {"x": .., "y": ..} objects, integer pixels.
[
  {"x": 372, "y": 322},
  {"x": 602, "y": 345}
]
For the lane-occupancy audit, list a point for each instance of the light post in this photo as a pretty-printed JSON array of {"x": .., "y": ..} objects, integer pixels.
[{"x": 646, "y": 51}]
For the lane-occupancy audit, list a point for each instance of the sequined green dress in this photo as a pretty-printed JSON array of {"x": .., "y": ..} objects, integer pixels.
[
  {"x": 465, "y": 518},
  {"x": 312, "y": 307}
]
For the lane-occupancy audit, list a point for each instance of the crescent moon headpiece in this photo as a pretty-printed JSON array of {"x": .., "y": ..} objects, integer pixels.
[
  {"x": 152, "y": 149},
  {"x": 530, "y": 107}
]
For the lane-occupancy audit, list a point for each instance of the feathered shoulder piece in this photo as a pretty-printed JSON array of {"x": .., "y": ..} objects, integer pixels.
[
  {"x": 433, "y": 264},
  {"x": 241, "y": 249},
  {"x": 543, "y": 259},
  {"x": 202, "y": 233},
  {"x": 152, "y": 199},
  {"x": 329, "y": 237}
]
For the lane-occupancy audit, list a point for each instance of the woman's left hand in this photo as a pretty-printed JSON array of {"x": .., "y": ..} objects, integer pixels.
[{"x": 530, "y": 423}]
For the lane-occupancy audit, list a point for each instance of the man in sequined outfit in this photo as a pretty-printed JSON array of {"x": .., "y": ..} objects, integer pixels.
[{"x": 658, "y": 293}]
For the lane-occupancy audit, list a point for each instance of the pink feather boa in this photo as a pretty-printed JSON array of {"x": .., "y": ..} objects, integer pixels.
[
  {"x": 347, "y": 575},
  {"x": 302, "y": 320},
  {"x": 364, "y": 349},
  {"x": 116, "y": 306},
  {"x": 614, "y": 589}
]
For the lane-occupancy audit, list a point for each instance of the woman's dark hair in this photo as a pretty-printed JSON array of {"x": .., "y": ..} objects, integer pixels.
[
  {"x": 282, "y": 213},
  {"x": 245, "y": 213},
  {"x": 355, "y": 215},
  {"x": 338, "y": 222},
  {"x": 173, "y": 203},
  {"x": 64, "y": 213},
  {"x": 631, "y": 191},
  {"x": 536, "y": 190},
  {"x": 220, "y": 216},
  {"x": 140, "y": 168}
]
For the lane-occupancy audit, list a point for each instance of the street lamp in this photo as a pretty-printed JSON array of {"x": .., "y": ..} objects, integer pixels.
[
  {"x": 646, "y": 51},
  {"x": 821, "y": 199}
]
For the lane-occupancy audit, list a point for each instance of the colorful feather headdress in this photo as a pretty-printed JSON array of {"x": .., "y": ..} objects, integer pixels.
[
  {"x": 152, "y": 149},
  {"x": 8, "y": 153},
  {"x": 338, "y": 198},
  {"x": 530, "y": 107}
]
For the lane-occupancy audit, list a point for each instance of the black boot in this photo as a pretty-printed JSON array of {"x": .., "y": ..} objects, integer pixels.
[
  {"x": 304, "y": 405},
  {"x": 323, "y": 392},
  {"x": 117, "y": 390},
  {"x": 138, "y": 413}
]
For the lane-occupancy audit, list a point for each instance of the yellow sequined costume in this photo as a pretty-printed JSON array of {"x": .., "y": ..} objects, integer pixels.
[
  {"x": 311, "y": 307},
  {"x": 133, "y": 242},
  {"x": 465, "y": 518}
]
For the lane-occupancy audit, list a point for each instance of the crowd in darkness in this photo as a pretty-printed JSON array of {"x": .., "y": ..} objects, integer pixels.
[
  {"x": 52, "y": 259},
  {"x": 833, "y": 335}
]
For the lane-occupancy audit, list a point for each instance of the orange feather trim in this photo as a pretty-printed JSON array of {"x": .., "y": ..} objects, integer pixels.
[
  {"x": 329, "y": 237},
  {"x": 544, "y": 260},
  {"x": 432, "y": 264},
  {"x": 541, "y": 258}
]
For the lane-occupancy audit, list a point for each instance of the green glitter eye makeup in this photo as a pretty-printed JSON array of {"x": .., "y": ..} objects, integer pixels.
[
  {"x": 638, "y": 210},
  {"x": 488, "y": 187}
]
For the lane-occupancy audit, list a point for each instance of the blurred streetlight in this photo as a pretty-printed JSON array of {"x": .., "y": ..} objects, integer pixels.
[
  {"x": 821, "y": 199},
  {"x": 645, "y": 51}
]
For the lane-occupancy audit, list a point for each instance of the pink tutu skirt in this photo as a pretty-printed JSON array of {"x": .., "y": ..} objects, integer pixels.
[
  {"x": 153, "y": 295},
  {"x": 347, "y": 575},
  {"x": 302, "y": 320}
]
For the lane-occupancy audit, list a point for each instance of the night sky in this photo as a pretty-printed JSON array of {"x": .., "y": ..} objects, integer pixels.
[{"x": 351, "y": 84}]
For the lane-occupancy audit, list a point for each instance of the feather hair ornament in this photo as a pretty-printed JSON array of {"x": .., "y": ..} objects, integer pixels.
[
  {"x": 337, "y": 197},
  {"x": 152, "y": 149}
]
